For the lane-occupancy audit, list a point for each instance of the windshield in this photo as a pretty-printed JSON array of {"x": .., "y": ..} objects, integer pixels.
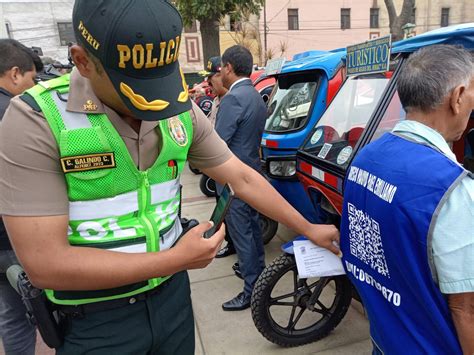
[
  {"x": 339, "y": 129},
  {"x": 289, "y": 107}
]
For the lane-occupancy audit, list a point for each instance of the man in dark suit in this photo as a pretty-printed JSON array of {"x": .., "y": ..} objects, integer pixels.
[{"x": 240, "y": 123}]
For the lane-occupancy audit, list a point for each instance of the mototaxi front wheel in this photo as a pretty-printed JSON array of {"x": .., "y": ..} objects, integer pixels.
[
  {"x": 207, "y": 186},
  {"x": 291, "y": 311}
]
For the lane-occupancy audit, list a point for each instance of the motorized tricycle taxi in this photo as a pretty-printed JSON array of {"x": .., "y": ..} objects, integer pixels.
[
  {"x": 305, "y": 87},
  {"x": 289, "y": 310}
]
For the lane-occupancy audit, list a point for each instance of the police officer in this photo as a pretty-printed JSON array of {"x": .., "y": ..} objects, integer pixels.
[
  {"x": 89, "y": 187},
  {"x": 215, "y": 82},
  {"x": 407, "y": 224}
]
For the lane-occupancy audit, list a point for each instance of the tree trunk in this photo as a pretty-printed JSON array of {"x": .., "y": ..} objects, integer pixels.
[
  {"x": 210, "y": 38},
  {"x": 397, "y": 22}
]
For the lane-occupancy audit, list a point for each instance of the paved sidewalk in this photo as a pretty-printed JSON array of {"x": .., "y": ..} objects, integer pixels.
[{"x": 219, "y": 332}]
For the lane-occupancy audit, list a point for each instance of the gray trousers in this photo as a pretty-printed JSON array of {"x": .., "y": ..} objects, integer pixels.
[
  {"x": 18, "y": 336},
  {"x": 242, "y": 222}
]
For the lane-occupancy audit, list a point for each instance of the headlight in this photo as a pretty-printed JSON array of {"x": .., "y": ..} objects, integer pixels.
[{"x": 283, "y": 168}]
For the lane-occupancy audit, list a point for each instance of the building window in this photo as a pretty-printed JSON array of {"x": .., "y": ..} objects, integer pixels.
[
  {"x": 193, "y": 52},
  {"x": 445, "y": 16},
  {"x": 192, "y": 28},
  {"x": 66, "y": 33},
  {"x": 345, "y": 19},
  {"x": 293, "y": 21},
  {"x": 374, "y": 18},
  {"x": 8, "y": 29}
]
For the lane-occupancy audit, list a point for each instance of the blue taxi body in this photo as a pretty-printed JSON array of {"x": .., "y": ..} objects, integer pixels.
[{"x": 325, "y": 69}]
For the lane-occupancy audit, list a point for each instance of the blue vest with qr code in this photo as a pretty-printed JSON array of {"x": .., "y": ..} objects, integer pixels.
[{"x": 393, "y": 192}]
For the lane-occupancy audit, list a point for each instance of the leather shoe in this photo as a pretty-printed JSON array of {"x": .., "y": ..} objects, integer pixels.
[
  {"x": 225, "y": 251},
  {"x": 237, "y": 272},
  {"x": 238, "y": 303}
]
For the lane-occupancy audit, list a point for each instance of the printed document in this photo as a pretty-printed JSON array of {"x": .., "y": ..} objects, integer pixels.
[{"x": 314, "y": 261}]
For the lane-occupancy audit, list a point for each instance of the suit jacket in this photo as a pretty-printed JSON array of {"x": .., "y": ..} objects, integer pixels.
[
  {"x": 5, "y": 98},
  {"x": 241, "y": 120}
]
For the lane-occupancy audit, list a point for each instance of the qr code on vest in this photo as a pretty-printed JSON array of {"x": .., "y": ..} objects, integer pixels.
[{"x": 365, "y": 241}]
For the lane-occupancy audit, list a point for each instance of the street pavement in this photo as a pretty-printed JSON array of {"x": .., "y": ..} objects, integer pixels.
[{"x": 219, "y": 332}]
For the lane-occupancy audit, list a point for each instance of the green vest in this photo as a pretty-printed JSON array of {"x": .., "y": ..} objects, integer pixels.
[{"x": 112, "y": 204}]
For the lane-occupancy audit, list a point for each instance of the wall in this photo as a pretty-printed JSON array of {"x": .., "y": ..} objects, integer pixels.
[
  {"x": 35, "y": 24},
  {"x": 428, "y": 13},
  {"x": 319, "y": 25},
  {"x": 319, "y": 22}
]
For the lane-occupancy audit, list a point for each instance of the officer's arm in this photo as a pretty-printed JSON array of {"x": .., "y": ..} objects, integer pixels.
[
  {"x": 50, "y": 262},
  {"x": 462, "y": 311},
  {"x": 252, "y": 187}
]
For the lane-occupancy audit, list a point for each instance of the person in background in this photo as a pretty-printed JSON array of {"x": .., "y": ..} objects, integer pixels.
[
  {"x": 215, "y": 82},
  {"x": 240, "y": 123},
  {"x": 407, "y": 228},
  {"x": 18, "y": 68}
]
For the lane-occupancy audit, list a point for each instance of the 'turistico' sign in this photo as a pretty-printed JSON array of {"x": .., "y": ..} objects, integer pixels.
[{"x": 369, "y": 57}]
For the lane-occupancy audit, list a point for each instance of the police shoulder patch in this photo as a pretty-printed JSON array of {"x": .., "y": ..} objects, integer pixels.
[
  {"x": 177, "y": 131},
  {"x": 88, "y": 162}
]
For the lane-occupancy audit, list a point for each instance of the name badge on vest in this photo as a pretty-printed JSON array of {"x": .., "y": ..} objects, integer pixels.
[
  {"x": 177, "y": 131},
  {"x": 88, "y": 162}
]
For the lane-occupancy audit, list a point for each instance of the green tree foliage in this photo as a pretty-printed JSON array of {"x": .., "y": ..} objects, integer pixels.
[{"x": 209, "y": 14}]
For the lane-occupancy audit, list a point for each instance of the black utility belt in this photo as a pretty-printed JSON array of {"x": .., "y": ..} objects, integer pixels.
[{"x": 80, "y": 311}]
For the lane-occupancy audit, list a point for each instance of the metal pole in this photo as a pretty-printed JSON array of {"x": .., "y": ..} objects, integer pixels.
[{"x": 265, "y": 30}]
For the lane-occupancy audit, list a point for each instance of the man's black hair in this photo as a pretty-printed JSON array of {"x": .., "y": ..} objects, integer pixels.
[
  {"x": 240, "y": 58},
  {"x": 15, "y": 54}
]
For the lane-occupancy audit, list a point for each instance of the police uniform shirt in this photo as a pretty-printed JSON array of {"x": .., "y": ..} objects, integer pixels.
[
  {"x": 453, "y": 233},
  {"x": 215, "y": 108},
  {"x": 32, "y": 182}
]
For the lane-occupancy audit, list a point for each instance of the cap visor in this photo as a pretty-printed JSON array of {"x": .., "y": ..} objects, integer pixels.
[{"x": 152, "y": 99}]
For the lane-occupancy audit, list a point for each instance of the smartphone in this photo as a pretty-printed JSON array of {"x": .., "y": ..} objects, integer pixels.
[{"x": 220, "y": 211}]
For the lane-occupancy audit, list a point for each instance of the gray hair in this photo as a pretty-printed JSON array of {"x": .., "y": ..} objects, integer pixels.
[{"x": 431, "y": 73}]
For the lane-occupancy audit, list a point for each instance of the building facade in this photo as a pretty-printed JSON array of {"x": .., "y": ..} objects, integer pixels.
[
  {"x": 299, "y": 25},
  {"x": 47, "y": 24},
  {"x": 292, "y": 26}
]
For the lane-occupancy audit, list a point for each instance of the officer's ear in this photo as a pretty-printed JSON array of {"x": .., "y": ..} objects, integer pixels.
[
  {"x": 456, "y": 99},
  {"x": 83, "y": 61}
]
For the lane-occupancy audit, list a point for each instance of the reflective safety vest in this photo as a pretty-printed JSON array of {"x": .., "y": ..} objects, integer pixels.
[
  {"x": 112, "y": 204},
  {"x": 394, "y": 191}
]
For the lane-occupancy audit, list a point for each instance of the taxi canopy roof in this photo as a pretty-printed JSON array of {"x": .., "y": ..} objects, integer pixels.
[
  {"x": 462, "y": 35},
  {"x": 308, "y": 54},
  {"x": 328, "y": 62}
]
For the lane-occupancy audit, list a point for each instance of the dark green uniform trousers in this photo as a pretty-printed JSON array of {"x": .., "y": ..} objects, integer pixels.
[{"x": 161, "y": 324}]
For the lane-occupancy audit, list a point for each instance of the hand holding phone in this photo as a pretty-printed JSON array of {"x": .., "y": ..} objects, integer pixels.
[{"x": 220, "y": 210}]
